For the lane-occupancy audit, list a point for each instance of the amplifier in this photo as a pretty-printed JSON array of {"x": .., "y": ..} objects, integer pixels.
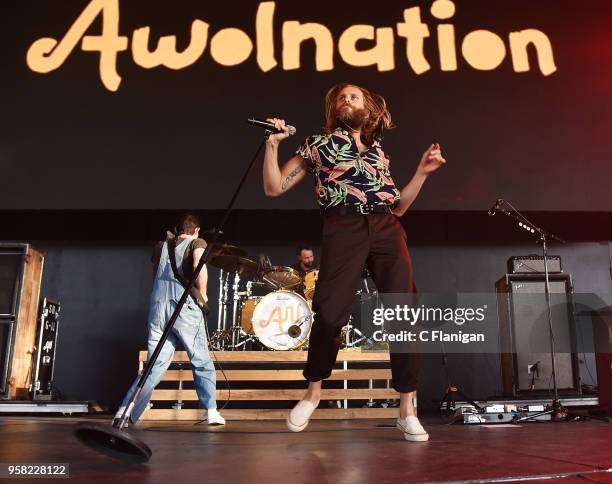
[
  {"x": 602, "y": 337},
  {"x": 533, "y": 264},
  {"x": 524, "y": 336}
]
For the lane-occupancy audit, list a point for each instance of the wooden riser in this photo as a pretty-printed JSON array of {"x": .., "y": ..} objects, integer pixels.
[
  {"x": 270, "y": 414},
  {"x": 270, "y": 395},
  {"x": 27, "y": 325},
  {"x": 280, "y": 375},
  {"x": 276, "y": 356},
  {"x": 264, "y": 397}
]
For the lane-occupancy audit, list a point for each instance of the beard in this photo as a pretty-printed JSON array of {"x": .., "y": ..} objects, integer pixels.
[{"x": 353, "y": 118}]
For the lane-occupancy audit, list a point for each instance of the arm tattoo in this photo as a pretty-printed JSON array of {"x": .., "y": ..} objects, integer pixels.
[{"x": 291, "y": 176}]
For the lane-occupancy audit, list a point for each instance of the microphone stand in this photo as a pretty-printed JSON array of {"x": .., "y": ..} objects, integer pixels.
[
  {"x": 557, "y": 411},
  {"x": 448, "y": 407},
  {"x": 113, "y": 440}
]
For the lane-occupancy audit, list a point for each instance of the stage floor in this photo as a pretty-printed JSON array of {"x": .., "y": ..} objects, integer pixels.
[{"x": 328, "y": 452}]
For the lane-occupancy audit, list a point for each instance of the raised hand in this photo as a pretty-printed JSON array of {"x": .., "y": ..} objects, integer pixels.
[{"x": 431, "y": 160}]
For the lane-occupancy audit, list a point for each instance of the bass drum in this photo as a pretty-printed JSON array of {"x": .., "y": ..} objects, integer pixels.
[{"x": 282, "y": 320}]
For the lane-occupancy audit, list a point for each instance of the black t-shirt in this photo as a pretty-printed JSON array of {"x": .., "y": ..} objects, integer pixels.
[{"x": 298, "y": 267}]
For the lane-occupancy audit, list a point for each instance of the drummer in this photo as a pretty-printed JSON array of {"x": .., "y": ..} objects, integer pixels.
[{"x": 305, "y": 262}]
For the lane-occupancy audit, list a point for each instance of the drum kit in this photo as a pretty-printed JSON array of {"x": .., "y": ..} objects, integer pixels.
[{"x": 266, "y": 307}]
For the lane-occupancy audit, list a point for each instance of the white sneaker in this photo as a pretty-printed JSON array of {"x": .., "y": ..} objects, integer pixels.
[
  {"x": 298, "y": 418},
  {"x": 412, "y": 428},
  {"x": 214, "y": 417}
]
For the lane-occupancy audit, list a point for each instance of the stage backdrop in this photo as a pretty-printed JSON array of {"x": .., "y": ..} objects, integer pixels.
[{"x": 116, "y": 104}]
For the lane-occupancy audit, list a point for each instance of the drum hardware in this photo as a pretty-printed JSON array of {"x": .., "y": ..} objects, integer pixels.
[
  {"x": 231, "y": 260},
  {"x": 365, "y": 274},
  {"x": 220, "y": 303},
  {"x": 225, "y": 293},
  {"x": 236, "y": 329},
  {"x": 366, "y": 293},
  {"x": 243, "y": 341},
  {"x": 220, "y": 337},
  {"x": 351, "y": 336}
]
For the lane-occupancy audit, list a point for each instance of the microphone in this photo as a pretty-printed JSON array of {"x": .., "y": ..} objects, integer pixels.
[
  {"x": 493, "y": 210},
  {"x": 269, "y": 126}
]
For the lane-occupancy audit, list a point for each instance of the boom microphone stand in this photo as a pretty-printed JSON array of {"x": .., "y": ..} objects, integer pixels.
[
  {"x": 113, "y": 440},
  {"x": 557, "y": 411}
]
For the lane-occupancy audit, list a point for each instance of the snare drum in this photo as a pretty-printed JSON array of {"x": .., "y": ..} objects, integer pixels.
[
  {"x": 281, "y": 277},
  {"x": 310, "y": 281},
  {"x": 282, "y": 320}
]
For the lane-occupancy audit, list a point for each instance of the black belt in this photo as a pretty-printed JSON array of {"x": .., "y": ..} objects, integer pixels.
[{"x": 361, "y": 209}]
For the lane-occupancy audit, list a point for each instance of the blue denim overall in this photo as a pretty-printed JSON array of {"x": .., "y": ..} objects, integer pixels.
[{"x": 189, "y": 328}]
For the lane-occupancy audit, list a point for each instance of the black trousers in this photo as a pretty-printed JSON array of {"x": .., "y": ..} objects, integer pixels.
[{"x": 349, "y": 242}]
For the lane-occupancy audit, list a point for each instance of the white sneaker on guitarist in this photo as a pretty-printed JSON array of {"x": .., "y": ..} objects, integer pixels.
[{"x": 214, "y": 417}]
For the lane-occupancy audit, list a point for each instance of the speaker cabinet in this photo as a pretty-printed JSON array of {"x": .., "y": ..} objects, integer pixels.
[
  {"x": 526, "y": 366},
  {"x": 602, "y": 332},
  {"x": 20, "y": 278}
]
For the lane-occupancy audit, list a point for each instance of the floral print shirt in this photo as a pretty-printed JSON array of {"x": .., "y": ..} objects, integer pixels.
[{"x": 343, "y": 176}]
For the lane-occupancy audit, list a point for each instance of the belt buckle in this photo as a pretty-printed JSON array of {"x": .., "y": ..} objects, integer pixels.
[{"x": 367, "y": 210}]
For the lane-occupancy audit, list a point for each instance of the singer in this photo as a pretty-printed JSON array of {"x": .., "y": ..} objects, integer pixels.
[{"x": 361, "y": 207}]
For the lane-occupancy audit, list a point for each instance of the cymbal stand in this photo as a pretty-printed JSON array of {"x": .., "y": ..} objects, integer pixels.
[
  {"x": 221, "y": 302},
  {"x": 239, "y": 338},
  {"x": 219, "y": 339},
  {"x": 352, "y": 335}
]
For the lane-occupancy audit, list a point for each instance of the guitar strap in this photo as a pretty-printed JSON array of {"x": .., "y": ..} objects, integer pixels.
[{"x": 194, "y": 293}]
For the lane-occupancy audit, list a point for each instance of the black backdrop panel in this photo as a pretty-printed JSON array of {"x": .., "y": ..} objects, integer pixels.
[{"x": 173, "y": 138}]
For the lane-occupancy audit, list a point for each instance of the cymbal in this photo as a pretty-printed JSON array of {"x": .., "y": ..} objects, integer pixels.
[
  {"x": 282, "y": 277},
  {"x": 227, "y": 249},
  {"x": 232, "y": 263}
]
